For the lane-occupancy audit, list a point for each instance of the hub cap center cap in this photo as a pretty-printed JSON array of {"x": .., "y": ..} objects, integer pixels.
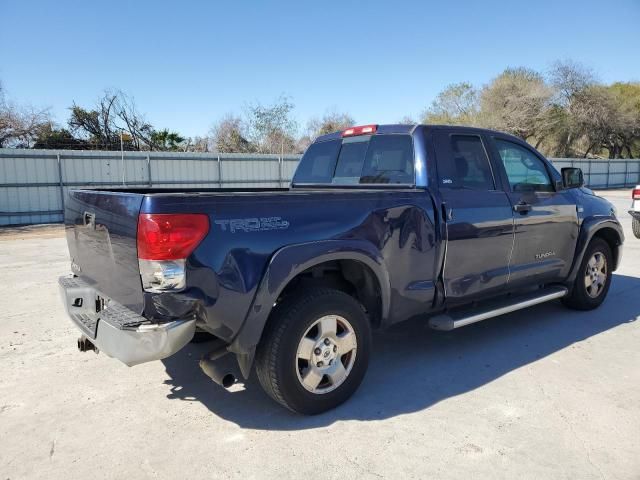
[{"x": 327, "y": 353}]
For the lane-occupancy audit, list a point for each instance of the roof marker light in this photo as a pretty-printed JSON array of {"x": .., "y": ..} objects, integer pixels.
[{"x": 361, "y": 130}]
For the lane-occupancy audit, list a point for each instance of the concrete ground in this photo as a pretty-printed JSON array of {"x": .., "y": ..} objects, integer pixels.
[{"x": 542, "y": 393}]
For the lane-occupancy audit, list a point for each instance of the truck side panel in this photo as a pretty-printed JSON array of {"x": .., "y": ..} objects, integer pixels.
[{"x": 226, "y": 269}]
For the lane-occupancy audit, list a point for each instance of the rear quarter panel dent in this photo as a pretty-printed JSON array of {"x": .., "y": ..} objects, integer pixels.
[{"x": 290, "y": 261}]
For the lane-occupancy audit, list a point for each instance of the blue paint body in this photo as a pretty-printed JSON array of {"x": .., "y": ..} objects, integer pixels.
[{"x": 428, "y": 248}]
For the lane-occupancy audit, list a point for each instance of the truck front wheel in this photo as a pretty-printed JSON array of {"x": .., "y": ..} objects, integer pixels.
[
  {"x": 315, "y": 350},
  {"x": 594, "y": 277}
]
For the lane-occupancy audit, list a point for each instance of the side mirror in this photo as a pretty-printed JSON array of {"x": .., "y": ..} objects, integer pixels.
[{"x": 572, "y": 177}]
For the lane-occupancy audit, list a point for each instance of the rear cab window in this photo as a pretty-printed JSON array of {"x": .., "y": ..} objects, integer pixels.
[{"x": 368, "y": 159}]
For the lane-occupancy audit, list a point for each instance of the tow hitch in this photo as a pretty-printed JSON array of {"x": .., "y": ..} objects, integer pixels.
[{"x": 85, "y": 345}]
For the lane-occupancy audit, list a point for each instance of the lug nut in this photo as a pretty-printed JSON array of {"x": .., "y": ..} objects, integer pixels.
[
  {"x": 327, "y": 341},
  {"x": 335, "y": 348},
  {"x": 317, "y": 351},
  {"x": 319, "y": 364}
]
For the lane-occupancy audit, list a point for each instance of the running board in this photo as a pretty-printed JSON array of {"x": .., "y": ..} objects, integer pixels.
[{"x": 460, "y": 319}]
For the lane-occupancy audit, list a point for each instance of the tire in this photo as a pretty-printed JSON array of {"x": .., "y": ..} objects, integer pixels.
[
  {"x": 296, "y": 332},
  {"x": 584, "y": 297},
  {"x": 635, "y": 226}
]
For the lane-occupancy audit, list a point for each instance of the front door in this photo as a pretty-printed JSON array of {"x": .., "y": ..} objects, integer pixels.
[
  {"x": 479, "y": 218},
  {"x": 546, "y": 222}
]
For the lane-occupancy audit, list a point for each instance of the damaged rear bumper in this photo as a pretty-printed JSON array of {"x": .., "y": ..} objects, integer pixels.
[{"x": 117, "y": 331}]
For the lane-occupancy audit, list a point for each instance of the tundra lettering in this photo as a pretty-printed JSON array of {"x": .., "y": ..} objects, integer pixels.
[{"x": 252, "y": 224}]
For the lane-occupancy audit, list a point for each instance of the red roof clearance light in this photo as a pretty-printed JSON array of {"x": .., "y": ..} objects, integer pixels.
[
  {"x": 635, "y": 194},
  {"x": 361, "y": 130},
  {"x": 170, "y": 236}
]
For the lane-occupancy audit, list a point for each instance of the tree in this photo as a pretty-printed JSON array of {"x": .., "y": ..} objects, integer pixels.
[
  {"x": 518, "y": 101},
  {"x": 607, "y": 117},
  {"x": 627, "y": 96},
  {"x": 228, "y": 136},
  {"x": 133, "y": 121},
  {"x": 198, "y": 144},
  {"x": 114, "y": 113},
  {"x": 597, "y": 118},
  {"x": 331, "y": 121},
  {"x": 407, "y": 120},
  {"x": 94, "y": 126},
  {"x": 457, "y": 104},
  {"x": 58, "y": 138},
  {"x": 19, "y": 125},
  {"x": 271, "y": 128},
  {"x": 166, "y": 140},
  {"x": 569, "y": 81}
]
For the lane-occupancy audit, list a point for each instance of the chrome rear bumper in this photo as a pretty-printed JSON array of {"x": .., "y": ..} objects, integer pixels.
[{"x": 118, "y": 331}]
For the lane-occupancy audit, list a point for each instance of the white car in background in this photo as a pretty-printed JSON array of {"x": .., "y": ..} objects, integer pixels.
[{"x": 635, "y": 211}]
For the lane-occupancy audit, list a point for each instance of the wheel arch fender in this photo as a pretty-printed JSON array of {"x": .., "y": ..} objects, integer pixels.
[
  {"x": 606, "y": 227},
  {"x": 290, "y": 261}
]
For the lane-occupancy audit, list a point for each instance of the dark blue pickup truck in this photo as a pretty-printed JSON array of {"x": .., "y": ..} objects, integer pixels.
[{"x": 382, "y": 223}]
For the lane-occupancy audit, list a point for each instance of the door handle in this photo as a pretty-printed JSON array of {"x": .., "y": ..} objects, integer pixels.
[{"x": 522, "y": 207}]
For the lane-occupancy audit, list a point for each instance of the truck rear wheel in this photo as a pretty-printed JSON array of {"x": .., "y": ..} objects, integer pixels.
[
  {"x": 594, "y": 277},
  {"x": 315, "y": 351},
  {"x": 635, "y": 226}
]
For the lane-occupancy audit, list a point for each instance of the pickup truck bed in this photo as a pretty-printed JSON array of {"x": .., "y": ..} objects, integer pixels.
[
  {"x": 382, "y": 223},
  {"x": 396, "y": 226}
]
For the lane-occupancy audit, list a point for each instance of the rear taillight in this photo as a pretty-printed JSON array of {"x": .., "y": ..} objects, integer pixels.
[
  {"x": 169, "y": 236},
  {"x": 635, "y": 194},
  {"x": 164, "y": 243},
  {"x": 361, "y": 130}
]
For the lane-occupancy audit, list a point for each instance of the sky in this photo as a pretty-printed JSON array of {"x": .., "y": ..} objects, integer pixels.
[{"x": 189, "y": 63}]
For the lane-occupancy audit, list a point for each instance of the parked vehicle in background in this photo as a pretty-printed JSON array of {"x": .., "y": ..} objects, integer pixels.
[
  {"x": 381, "y": 224},
  {"x": 635, "y": 211}
]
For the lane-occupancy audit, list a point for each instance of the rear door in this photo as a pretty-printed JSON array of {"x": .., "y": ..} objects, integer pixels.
[
  {"x": 479, "y": 224},
  {"x": 546, "y": 221}
]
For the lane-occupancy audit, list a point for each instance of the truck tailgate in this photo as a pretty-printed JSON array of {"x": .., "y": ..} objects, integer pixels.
[{"x": 101, "y": 233}]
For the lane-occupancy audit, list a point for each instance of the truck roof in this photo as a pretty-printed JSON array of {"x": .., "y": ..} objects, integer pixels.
[
  {"x": 382, "y": 129},
  {"x": 409, "y": 128}
]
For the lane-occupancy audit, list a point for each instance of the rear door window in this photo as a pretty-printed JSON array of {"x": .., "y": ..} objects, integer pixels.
[
  {"x": 463, "y": 163},
  {"x": 372, "y": 159}
]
